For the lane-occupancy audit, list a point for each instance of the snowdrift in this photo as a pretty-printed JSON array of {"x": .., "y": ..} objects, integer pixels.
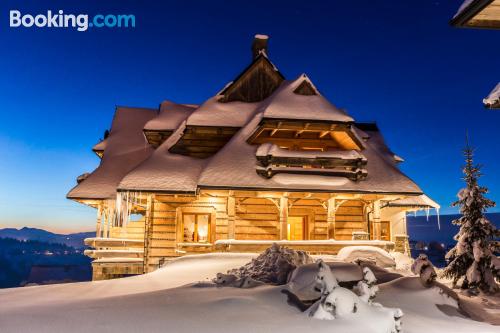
[
  {"x": 172, "y": 300},
  {"x": 366, "y": 253}
]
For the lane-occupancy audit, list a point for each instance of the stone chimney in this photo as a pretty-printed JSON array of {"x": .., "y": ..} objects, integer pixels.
[{"x": 259, "y": 45}]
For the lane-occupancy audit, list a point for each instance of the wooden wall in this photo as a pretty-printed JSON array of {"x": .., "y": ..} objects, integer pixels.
[
  {"x": 256, "y": 218},
  {"x": 348, "y": 218},
  {"x": 315, "y": 214},
  {"x": 133, "y": 230}
]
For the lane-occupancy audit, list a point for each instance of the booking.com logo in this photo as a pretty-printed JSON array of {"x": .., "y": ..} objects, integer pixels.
[{"x": 61, "y": 20}]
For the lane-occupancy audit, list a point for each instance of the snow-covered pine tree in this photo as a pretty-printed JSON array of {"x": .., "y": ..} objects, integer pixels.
[{"x": 471, "y": 258}]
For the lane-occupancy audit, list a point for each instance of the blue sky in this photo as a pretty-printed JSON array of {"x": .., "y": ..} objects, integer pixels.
[{"x": 395, "y": 62}]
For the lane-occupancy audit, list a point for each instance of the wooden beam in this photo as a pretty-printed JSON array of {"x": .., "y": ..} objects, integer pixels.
[
  {"x": 99, "y": 221},
  {"x": 283, "y": 222},
  {"x": 231, "y": 216},
  {"x": 330, "y": 217},
  {"x": 376, "y": 220},
  {"x": 148, "y": 232},
  {"x": 298, "y": 133},
  {"x": 323, "y": 134}
]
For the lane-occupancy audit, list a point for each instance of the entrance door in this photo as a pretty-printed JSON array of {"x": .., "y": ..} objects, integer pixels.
[{"x": 297, "y": 228}]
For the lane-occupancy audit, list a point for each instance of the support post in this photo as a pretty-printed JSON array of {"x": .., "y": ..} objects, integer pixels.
[
  {"x": 99, "y": 220},
  {"x": 330, "y": 218},
  {"x": 283, "y": 208},
  {"x": 148, "y": 232},
  {"x": 376, "y": 220},
  {"x": 231, "y": 216},
  {"x": 107, "y": 217}
]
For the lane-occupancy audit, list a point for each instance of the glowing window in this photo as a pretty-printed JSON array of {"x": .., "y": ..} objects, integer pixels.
[{"x": 196, "y": 228}]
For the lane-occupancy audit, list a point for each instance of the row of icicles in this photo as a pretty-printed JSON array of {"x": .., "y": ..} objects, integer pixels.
[
  {"x": 116, "y": 213},
  {"x": 427, "y": 211}
]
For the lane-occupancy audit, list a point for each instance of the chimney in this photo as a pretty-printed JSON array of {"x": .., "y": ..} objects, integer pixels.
[{"x": 259, "y": 45}]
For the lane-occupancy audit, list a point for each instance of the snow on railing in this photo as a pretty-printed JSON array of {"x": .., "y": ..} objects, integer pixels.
[{"x": 301, "y": 242}]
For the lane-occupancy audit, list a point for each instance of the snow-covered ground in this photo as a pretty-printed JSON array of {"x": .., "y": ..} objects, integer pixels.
[{"x": 171, "y": 300}]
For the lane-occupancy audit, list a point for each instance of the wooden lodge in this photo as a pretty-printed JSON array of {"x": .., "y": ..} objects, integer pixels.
[{"x": 264, "y": 160}]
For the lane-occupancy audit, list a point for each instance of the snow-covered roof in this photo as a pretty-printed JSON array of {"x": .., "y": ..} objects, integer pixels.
[
  {"x": 229, "y": 114},
  {"x": 164, "y": 171},
  {"x": 421, "y": 201},
  {"x": 493, "y": 99},
  {"x": 285, "y": 103},
  {"x": 126, "y": 147},
  {"x": 170, "y": 117},
  {"x": 130, "y": 164},
  {"x": 234, "y": 167}
]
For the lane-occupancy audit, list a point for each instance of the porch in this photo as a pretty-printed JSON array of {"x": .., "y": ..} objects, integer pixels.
[{"x": 173, "y": 225}]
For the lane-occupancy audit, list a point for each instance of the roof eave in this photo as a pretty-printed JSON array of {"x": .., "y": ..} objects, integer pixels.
[
  {"x": 250, "y": 188},
  {"x": 460, "y": 20}
]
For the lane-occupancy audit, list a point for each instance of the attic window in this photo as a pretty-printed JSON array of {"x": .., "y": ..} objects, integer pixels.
[{"x": 305, "y": 89}]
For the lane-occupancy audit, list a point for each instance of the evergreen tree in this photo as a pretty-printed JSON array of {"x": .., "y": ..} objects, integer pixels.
[{"x": 472, "y": 256}]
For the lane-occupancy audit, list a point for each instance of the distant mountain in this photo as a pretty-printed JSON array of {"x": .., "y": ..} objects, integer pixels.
[
  {"x": 74, "y": 240},
  {"x": 422, "y": 229}
]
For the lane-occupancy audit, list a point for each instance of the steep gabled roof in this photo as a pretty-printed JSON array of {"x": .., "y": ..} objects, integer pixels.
[
  {"x": 260, "y": 73},
  {"x": 287, "y": 102},
  {"x": 126, "y": 147}
]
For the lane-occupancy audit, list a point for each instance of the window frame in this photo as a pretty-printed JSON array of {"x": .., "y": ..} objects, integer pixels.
[{"x": 196, "y": 237}]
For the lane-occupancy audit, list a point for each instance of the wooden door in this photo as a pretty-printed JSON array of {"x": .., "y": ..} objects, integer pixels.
[{"x": 297, "y": 228}]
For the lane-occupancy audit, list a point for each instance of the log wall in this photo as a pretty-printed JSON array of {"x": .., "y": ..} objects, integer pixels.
[
  {"x": 256, "y": 219},
  {"x": 241, "y": 218}
]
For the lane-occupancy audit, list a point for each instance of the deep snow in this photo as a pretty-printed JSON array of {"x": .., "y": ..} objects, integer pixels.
[{"x": 170, "y": 300}]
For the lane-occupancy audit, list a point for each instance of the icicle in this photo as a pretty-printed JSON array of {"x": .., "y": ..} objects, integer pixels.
[
  {"x": 129, "y": 207},
  {"x": 439, "y": 222},
  {"x": 415, "y": 213},
  {"x": 427, "y": 213}
]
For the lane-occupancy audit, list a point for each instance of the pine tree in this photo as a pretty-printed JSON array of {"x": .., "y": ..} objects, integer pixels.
[{"x": 471, "y": 258}]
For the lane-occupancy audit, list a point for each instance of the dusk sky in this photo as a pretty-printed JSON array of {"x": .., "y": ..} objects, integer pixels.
[{"x": 398, "y": 63}]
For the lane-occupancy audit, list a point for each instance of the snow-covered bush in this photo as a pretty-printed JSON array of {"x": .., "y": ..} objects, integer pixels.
[
  {"x": 339, "y": 302},
  {"x": 373, "y": 254},
  {"x": 423, "y": 267},
  {"x": 471, "y": 258},
  {"x": 342, "y": 302},
  {"x": 336, "y": 301},
  {"x": 403, "y": 261},
  {"x": 325, "y": 280},
  {"x": 367, "y": 288},
  {"x": 272, "y": 266}
]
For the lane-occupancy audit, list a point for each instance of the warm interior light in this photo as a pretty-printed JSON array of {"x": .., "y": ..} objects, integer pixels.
[{"x": 202, "y": 233}]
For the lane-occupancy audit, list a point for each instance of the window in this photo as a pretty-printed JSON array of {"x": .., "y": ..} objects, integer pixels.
[{"x": 196, "y": 228}]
